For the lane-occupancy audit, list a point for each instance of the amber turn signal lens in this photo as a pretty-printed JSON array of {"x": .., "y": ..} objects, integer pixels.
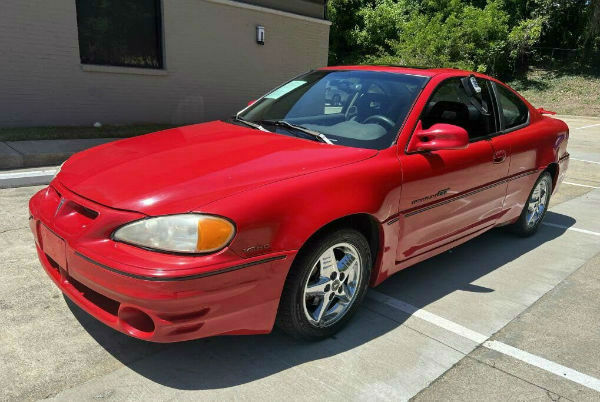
[{"x": 213, "y": 233}]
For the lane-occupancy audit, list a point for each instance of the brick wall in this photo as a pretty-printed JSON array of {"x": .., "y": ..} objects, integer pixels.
[{"x": 213, "y": 65}]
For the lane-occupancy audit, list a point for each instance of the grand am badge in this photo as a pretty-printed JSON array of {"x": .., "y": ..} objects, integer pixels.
[{"x": 440, "y": 193}]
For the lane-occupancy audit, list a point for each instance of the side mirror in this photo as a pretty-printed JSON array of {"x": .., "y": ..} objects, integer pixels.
[
  {"x": 438, "y": 137},
  {"x": 251, "y": 102}
]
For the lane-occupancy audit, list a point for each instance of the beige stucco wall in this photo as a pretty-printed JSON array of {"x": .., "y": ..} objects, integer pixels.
[{"x": 213, "y": 64}]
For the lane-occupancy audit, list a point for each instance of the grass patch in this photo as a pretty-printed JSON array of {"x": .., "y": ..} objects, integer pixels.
[
  {"x": 561, "y": 92},
  {"x": 66, "y": 133}
]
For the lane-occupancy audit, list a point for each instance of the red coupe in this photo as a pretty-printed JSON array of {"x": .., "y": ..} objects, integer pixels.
[{"x": 289, "y": 210}]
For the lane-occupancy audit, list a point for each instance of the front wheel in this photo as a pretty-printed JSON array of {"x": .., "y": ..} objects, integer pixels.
[
  {"x": 535, "y": 208},
  {"x": 325, "y": 286}
]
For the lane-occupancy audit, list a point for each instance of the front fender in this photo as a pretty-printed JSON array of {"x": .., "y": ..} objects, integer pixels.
[{"x": 282, "y": 216}]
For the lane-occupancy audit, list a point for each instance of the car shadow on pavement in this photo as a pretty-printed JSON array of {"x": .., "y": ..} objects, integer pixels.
[{"x": 227, "y": 361}]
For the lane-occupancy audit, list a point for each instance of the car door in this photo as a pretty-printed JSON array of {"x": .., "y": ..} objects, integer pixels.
[
  {"x": 501, "y": 141},
  {"x": 523, "y": 139},
  {"x": 450, "y": 194}
]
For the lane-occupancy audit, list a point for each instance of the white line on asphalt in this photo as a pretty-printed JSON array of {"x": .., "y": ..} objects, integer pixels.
[
  {"x": 31, "y": 173},
  {"x": 581, "y": 128},
  {"x": 571, "y": 228},
  {"x": 579, "y": 185},
  {"x": 540, "y": 362}
]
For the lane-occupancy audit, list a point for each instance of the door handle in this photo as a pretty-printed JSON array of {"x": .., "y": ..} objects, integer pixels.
[{"x": 499, "y": 156}]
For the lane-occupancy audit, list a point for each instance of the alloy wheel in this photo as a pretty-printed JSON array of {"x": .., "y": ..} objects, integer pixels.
[
  {"x": 537, "y": 203},
  {"x": 332, "y": 285}
]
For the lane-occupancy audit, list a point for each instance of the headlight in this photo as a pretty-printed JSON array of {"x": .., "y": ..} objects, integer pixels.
[{"x": 185, "y": 233}]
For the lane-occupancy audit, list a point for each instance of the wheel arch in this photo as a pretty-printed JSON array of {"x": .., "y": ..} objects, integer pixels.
[{"x": 364, "y": 223}]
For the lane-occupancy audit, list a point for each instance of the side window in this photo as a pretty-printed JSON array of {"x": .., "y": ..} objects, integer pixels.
[
  {"x": 450, "y": 104},
  {"x": 514, "y": 111}
]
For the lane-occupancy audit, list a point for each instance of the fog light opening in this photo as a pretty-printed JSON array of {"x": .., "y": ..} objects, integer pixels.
[{"x": 136, "y": 321}]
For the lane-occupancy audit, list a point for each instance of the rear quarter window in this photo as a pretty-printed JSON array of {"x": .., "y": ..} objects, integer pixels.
[{"x": 514, "y": 111}]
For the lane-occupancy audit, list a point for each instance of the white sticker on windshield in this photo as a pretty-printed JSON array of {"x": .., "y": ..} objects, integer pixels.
[{"x": 287, "y": 88}]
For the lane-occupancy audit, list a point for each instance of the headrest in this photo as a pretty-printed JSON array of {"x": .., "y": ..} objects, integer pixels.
[{"x": 448, "y": 110}]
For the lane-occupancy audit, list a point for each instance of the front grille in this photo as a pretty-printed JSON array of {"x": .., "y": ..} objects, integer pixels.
[
  {"x": 86, "y": 212},
  {"x": 72, "y": 217},
  {"x": 105, "y": 303},
  {"x": 53, "y": 263}
]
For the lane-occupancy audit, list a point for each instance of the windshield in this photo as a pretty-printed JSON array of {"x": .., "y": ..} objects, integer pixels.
[{"x": 362, "y": 109}]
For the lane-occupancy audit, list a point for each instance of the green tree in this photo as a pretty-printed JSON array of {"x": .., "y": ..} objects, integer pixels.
[
  {"x": 494, "y": 36},
  {"x": 450, "y": 33},
  {"x": 591, "y": 39},
  {"x": 345, "y": 17}
]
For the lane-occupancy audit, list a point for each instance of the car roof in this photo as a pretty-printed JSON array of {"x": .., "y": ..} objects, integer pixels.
[{"x": 427, "y": 72}]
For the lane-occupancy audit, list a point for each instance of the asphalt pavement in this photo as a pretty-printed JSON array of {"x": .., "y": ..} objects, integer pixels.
[{"x": 498, "y": 318}]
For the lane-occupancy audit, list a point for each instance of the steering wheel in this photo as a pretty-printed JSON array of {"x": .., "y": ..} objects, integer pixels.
[{"x": 379, "y": 119}]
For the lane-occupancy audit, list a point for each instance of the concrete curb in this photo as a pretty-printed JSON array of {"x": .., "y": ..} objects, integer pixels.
[{"x": 23, "y": 154}]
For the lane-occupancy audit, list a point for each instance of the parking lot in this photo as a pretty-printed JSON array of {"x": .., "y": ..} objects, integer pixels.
[{"x": 497, "y": 318}]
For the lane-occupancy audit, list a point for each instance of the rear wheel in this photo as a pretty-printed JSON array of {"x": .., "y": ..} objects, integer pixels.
[
  {"x": 535, "y": 208},
  {"x": 325, "y": 285}
]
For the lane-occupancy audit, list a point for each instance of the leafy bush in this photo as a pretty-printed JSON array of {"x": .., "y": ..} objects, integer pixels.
[{"x": 493, "y": 36}]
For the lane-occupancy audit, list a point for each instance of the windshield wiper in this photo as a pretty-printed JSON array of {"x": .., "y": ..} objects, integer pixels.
[
  {"x": 250, "y": 123},
  {"x": 283, "y": 123}
]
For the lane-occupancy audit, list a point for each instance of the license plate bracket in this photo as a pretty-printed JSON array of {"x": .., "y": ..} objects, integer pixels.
[{"x": 54, "y": 246}]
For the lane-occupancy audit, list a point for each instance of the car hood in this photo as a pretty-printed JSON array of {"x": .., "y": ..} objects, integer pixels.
[{"x": 182, "y": 169}]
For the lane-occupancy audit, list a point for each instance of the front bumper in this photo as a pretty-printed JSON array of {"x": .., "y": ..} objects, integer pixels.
[{"x": 152, "y": 296}]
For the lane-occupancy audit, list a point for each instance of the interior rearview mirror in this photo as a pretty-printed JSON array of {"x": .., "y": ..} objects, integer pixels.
[{"x": 438, "y": 137}]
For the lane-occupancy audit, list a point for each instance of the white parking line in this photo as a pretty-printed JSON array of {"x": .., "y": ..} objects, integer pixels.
[
  {"x": 583, "y": 160},
  {"x": 544, "y": 364},
  {"x": 30, "y": 173},
  {"x": 581, "y": 128},
  {"x": 554, "y": 225},
  {"x": 427, "y": 316},
  {"x": 480, "y": 339},
  {"x": 579, "y": 185}
]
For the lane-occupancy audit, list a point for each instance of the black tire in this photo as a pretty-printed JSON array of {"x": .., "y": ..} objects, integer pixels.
[
  {"x": 521, "y": 226},
  {"x": 291, "y": 317}
]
